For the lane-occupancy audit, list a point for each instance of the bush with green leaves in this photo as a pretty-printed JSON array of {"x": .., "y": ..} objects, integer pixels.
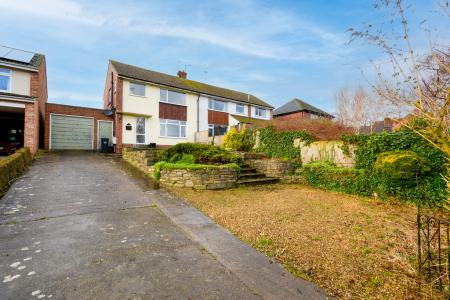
[
  {"x": 400, "y": 165},
  {"x": 238, "y": 140},
  {"x": 281, "y": 144},
  {"x": 198, "y": 153},
  {"x": 13, "y": 166}
]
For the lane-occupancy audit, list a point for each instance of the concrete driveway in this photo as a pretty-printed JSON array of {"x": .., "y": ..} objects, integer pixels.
[{"x": 77, "y": 226}]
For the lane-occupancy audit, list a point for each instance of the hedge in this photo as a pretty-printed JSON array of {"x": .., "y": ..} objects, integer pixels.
[
  {"x": 198, "y": 154},
  {"x": 13, "y": 166},
  {"x": 162, "y": 165},
  {"x": 400, "y": 165}
]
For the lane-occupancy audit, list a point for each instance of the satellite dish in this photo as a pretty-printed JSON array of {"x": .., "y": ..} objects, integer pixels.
[{"x": 108, "y": 112}]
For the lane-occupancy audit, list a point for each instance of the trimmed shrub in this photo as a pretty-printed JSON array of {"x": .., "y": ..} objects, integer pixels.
[
  {"x": 13, "y": 166},
  {"x": 239, "y": 141},
  {"x": 198, "y": 153},
  {"x": 162, "y": 165},
  {"x": 400, "y": 165},
  {"x": 328, "y": 176}
]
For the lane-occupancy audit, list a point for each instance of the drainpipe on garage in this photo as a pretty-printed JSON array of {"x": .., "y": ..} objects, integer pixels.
[{"x": 113, "y": 109}]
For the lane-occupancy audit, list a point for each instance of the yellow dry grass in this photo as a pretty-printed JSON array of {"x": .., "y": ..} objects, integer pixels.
[{"x": 354, "y": 247}]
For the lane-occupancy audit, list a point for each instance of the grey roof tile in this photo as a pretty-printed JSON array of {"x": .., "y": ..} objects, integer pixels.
[{"x": 138, "y": 73}]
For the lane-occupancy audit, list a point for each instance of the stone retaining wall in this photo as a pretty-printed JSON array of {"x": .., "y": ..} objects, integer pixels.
[
  {"x": 137, "y": 158},
  {"x": 272, "y": 167},
  {"x": 205, "y": 179}
]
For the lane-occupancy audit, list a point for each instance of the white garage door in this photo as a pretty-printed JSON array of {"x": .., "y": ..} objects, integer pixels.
[{"x": 71, "y": 132}]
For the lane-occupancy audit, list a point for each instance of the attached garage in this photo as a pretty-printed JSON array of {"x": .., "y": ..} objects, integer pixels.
[{"x": 71, "y": 132}]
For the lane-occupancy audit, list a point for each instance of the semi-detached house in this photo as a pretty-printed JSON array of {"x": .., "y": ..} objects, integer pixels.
[{"x": 149, "y": 107}]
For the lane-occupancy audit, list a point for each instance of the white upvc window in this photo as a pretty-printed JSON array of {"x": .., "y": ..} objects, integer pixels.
[
  {"x": 172, "y": 128},
  {"x": 240, "y": 109},
  {"x": 137, "y": 89},
  {"x": 172, "y": 97},
  {"x": 140, "y": 130},
  {"x": 216, "y": 130},
  {"x": 5, "y": 80},
  {"x": 260, "y": 112},
  {"x": 217, "y": 105}
]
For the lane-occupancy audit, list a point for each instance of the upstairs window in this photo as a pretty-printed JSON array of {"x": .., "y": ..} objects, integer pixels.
[
  {"x": 5, "y": 80},
  {"x": 240, "y": 109},
  {"x": 137, "y": 89},
  {"x": 217, "y": 105},
  {"x": 260, "y": 112},
  {"x": 172, "y": 97}
]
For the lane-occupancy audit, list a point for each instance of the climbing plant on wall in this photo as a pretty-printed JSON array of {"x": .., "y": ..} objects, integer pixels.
[{"x": 281, "y": 144}]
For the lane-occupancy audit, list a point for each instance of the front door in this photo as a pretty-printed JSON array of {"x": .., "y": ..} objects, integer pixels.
[{"x": 105, "y": 130}]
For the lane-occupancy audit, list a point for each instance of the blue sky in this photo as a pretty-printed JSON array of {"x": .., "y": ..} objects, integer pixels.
[{"x": 276, "y": 50}]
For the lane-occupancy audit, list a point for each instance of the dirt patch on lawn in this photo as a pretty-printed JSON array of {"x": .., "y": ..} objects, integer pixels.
[{"x": 354, "y": 247}]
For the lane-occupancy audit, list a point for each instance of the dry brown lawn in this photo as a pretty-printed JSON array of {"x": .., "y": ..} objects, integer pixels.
[{"x": 354, "y": 247}]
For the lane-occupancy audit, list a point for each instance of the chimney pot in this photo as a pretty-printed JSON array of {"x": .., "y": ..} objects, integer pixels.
[{"x": 182, "y": 74}]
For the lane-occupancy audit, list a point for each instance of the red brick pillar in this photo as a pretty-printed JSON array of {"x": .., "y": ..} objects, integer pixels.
[{"x": 31, "y": 127}]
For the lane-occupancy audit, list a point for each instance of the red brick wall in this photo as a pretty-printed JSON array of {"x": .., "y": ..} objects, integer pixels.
[
  {"x": 35, "y": 112},
  {"x": 296, "y": 116},
  {"x": 117, "y": 103},
  {"x": 31, "y": 126},
  {"x": 97, "y": 114},
  {"x": 118, "y": 117}
]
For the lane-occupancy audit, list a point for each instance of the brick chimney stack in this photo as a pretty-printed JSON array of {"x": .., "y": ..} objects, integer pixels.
[{"x": 182, "y": 74}]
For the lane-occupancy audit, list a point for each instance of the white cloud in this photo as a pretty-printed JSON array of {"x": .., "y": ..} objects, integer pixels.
[
  {"x": 241, "y": 30},
  {"x": 64, "y": 10}
]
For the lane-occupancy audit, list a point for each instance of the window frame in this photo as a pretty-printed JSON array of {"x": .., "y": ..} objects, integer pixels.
[
  {"x": 166, "y": 100},
  {"x": 243, "y": 109},
  {"x": 212, "y": 100},
  {"x": 260, "y": 109},
  {"x": 181, "y": 124},
  {"x": 137, "y": 95},
  {"x": 7, "y": 74},
  {"x": 212, "y": 131},
  {"x": 140, "y": 134}
]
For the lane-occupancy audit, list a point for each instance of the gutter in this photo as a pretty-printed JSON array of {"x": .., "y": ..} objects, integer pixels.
[
  {"x": 15, "y": 66},
  {"x": 17, "y": 98}
]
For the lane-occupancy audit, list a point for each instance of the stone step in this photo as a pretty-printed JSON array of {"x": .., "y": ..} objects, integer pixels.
[
  {"x": 251, "y": 175},
  {"x": 258, "y": 181},
  {"x": 248, "y": 170}
]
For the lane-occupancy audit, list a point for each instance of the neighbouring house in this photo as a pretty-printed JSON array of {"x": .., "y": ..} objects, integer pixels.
[
  {"x": 298, "y": 109},
  {"x": 23, "y": 94},
  {"x": 154, "y": 108},
  {"x": 386, "y": 125}
]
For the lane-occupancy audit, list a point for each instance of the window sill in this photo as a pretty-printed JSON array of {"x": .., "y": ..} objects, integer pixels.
[
  {"x": 139, "y": 96},
  {"x": 182, "y": 105},
  {"x": 171, "y": 137},
  {"x": 218, "y": 110}
]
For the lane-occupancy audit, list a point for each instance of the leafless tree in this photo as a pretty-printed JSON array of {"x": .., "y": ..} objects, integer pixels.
[{"x": 419, "y": 83}]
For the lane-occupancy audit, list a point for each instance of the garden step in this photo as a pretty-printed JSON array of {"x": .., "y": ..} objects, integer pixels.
[
  {"x": 248, "y": 170},
  {"x": 257, "y": 181},
  {"x": 251, "y": 175}
]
